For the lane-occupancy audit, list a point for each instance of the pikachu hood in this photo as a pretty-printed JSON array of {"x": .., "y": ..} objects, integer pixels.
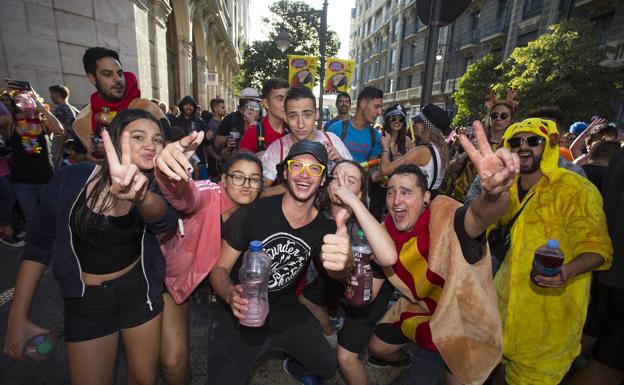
[{"x": 546, "y": 129}]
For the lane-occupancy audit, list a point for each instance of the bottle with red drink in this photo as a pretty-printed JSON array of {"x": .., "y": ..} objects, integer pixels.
[
  {"x": 254, "y": 277},
  {"x": 39, "y": 347},
  {"x": 547, "y": 261},
  {"x": 103, "y": 120},
  {"x": 360, "y": 279}
]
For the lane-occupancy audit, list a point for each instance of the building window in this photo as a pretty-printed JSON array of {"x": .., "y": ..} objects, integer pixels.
[
  {"x": 502, "y": 8},
  {"x": 467, "y": 62},
  {"x": 392, "y": 57},
  {"x": 603, "y": 24},
  {"x": 408, "y": 83},
  {"x": 524, "y": 39},
  {"x": 531, "y": 8},
  {"x": 474, "y": 24}
]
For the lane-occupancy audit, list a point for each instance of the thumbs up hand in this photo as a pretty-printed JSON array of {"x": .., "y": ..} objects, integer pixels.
[{"x": 336, "y": 251}]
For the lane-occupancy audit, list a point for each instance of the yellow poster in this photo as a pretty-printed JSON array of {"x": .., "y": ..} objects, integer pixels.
[
  {"x": 302, "y": 70},
  {"x": 338, "y": 75}
]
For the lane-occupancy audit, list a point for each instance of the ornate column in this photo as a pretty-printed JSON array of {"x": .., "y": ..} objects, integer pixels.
[
  {"x": 185, "y": 55},
  {"x": 159, "y": 12}
]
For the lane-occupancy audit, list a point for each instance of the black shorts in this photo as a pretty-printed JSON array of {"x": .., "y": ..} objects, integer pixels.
[
  {"x": 103, "y": 310},
  {"x": 359, "y": 321},
  {"x": 391, "y": 334},
  {"x": 605, "y": 321}
]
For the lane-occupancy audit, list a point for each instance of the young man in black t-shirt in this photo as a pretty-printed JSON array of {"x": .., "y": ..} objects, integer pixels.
[{"x": 292, "y": 232}]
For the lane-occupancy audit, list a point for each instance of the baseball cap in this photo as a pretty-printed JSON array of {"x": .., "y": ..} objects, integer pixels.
[
  {"x": 301, "y": 147},
  {"x": 249, "y": 93}
]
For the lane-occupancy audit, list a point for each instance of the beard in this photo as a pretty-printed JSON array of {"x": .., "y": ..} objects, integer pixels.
[
  {"x": 107, "y": 95},
  {"x": 531, "y": 168}
]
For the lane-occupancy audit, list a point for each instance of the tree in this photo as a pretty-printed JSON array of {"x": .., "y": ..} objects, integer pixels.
[
  {"x": 474, "y": 87},
  {"x": 560, "y": 68},
  {"x": 262, "y": 60}
]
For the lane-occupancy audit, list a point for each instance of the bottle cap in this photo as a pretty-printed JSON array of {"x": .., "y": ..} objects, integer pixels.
[
  {"x": 45, "y": 347},
  {"x": 552, "y": 244},
  {"x": 360, "y": 233},
  {"x": 255, "y": 246}
]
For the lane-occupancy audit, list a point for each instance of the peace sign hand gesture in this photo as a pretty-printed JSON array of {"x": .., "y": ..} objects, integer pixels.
[
  {"x": 173, "y": 159},
  {"x": 127, "y": 181},
  {"x": 496, "y": 169}
]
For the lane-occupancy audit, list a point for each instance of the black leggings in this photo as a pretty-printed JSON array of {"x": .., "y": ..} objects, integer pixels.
[{"x": 233, "y": 350}]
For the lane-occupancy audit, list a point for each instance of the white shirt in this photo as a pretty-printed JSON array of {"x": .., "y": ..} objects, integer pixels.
[{"x": 278, "y": 150}]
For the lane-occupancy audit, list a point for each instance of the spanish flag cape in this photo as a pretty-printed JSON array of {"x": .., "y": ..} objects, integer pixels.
[{"x": 447, "y": 304}]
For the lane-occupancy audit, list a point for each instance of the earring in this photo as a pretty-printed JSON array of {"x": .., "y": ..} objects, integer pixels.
[{"x": 426, "y": 204}]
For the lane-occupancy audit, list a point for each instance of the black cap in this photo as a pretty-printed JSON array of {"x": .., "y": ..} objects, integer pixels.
[
  {"x": 432, "y": 115},
  {"x": 301, "y": 147}
]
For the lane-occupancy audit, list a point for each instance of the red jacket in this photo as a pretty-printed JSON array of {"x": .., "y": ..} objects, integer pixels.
[
  {"x": 249, "y": 141},
  {"x": 194, "y": 248}
]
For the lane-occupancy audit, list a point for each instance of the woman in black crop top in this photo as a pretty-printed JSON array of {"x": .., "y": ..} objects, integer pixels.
[{"x": 115, "y": 259}]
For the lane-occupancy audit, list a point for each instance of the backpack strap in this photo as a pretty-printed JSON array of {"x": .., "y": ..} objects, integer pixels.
[
  {"x": 345, "y": 125},
  {"x": 435, "y": 166},
  {"x": 260, "y": 141},
  {"x": 371, "y": 131},
  {"x": 328, "y": 138},
  {"x": 281, "y": 149}
]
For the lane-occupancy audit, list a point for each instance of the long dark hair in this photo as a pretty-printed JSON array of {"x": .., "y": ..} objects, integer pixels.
[
  {"x": 400, "y": 142},
  {"x": 86, "y": 214},
  {"x": 325, "y": 202}
]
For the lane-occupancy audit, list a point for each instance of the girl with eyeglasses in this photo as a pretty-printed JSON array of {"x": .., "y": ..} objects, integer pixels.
[{"x": 194, "y": 247}]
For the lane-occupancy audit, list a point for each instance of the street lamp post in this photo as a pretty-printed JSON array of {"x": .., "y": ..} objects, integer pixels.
[{"x": 283, "y": 40}]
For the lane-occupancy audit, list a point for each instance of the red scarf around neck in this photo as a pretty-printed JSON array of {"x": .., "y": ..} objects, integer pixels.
[
  {"x": 400, "y": 237},
  {"x": 97, "y": 103}
]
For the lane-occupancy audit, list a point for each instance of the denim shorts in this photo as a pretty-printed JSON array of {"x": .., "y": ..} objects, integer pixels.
[{"x": 103, "y": 310}]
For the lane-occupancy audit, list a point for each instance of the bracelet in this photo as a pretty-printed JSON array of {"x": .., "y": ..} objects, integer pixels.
[{"x": 385, "y": 150}]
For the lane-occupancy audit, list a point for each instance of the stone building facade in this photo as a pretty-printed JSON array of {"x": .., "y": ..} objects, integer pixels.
[
  {"x": 388, "y": 41},
  {"x": 171, "y": 45}
]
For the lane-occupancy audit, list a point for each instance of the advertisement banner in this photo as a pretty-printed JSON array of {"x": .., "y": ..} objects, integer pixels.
[
  {"x": 338, "y": 75},
  {"x": 302, "y": 70}
]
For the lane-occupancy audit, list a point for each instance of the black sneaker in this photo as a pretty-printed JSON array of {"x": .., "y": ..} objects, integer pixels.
[
  {"x": 403, "y": 362},
  {"x": 12, "y": 241}
]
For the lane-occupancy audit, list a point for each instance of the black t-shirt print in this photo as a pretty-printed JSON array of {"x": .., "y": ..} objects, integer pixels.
[{"x": 290, "y": 249}]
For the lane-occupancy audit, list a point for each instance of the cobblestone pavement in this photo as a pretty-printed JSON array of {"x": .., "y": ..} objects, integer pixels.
[{"x": 47, "y": 311}]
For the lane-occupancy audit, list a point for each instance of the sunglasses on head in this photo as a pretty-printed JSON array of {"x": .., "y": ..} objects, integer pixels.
[
  {"x": 502, "y": 116},
  {"x": 531, "y": 141},
  {"x": 396, "y": 119}
]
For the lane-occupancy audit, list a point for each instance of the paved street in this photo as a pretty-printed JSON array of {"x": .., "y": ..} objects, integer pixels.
[{"x": 47, "y": 311}]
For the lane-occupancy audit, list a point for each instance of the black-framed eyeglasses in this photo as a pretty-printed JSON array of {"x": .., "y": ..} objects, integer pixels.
[
  {"x": 396, "y": 119},
  {"x": 531, "y": 141},
  {"x": 296, "y": 167},
  {"x": 502, "y": 115},
  {"x": 239, "y": 180}
]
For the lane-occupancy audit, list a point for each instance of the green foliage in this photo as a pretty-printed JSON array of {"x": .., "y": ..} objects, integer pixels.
[
  {"x": 474, "y": 87},
  {"x": 560, "y": 68},
  {"x": 262, "y": 60}
]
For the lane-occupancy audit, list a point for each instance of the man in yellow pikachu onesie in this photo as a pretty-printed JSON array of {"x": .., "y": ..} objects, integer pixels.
[{"x": 542, "y": 324}]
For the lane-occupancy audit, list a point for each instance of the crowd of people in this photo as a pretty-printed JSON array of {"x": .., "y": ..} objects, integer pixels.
[{"x": 141, "y": 207}]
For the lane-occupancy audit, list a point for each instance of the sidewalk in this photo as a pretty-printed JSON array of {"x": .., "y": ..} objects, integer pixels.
[{"x": 47, "y": 311}]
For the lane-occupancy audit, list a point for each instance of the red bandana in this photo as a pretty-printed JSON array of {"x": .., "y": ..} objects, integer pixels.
[
  {"x": 400, "y": 237},
  {"x": 132, "y": 92}
]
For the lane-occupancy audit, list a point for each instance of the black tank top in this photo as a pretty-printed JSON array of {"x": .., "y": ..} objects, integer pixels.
[{"x": 112, "y": 243}]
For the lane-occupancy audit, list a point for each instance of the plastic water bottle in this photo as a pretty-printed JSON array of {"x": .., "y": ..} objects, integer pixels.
[
  {"x": 360, "y": 279},
  {"x": 254, "y": 277},
  {"x": 547, "y": 261},
  {"x": 39, "y": 347}
]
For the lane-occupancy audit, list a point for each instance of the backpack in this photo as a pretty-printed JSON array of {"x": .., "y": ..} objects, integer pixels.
[
  {"x": 260, "y": 142},
  {"x": 345, "y": 126}
]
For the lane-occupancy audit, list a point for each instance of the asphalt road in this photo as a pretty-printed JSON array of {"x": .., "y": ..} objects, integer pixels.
[{"x": 47, "y": 311}]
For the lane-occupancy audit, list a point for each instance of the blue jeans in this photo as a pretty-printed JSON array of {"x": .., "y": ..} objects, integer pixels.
[
  {"x": 29, "y": 197},
  {"x": 7, "y": 200}
]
